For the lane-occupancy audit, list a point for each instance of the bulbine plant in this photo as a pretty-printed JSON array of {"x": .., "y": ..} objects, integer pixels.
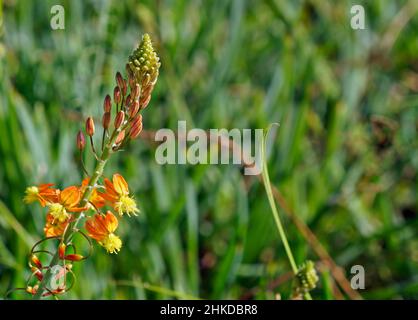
[{"x": 91, "y": 210}]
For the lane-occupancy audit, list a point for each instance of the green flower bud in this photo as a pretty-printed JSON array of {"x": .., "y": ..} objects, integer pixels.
[
  {"x": 144, "y": 63},
  {"x": 306, "y": 278}
]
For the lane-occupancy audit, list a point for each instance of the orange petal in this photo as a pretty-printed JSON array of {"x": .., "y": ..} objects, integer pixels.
[
  {"x": 111, "y": 222},
  {"x": 120, "y": 185},
  {"x": 70, "y": 197}
]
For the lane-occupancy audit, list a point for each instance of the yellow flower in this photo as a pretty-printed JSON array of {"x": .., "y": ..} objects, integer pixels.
[
  {"x": 102, "y": 228},
  {"x": 42, "y": 193},
  {"x": 117, "y": 194},
  {"x": 67, "y": 201}
]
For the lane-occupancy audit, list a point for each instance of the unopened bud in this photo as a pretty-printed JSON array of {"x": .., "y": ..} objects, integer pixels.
[
  {"x": 74, "y": 257},
  {"x": 81, "y": 141},
  {"x": 135, "y": 131},
  {"x": 136, "y": 91},
  {"x": 120, "y": 137},
  {"x": 144, "y": 101},
  {"x": 61, "y": 250},
  {"x": 106, "y": 120},
  {"x": 136, "y": 121},
  {"x": 120, "y": 117},
  {"x": 121, "y": 82},
  {"x": 133, "y": 109},
  {"x": 116, "y": 95},
  {"x": 35, "y": 260},
  {"x": 128, "y": 100},
  {"x": 107, "y": 104},
  {"x": 90, "y": 126}
]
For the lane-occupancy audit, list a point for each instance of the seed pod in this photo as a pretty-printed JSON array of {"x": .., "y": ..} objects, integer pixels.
[
  {"x": 107, "y": 104},
  {"x": 133, "y": 109},
  {"x": 116, "y": 95},
  {"x": 120, "y": 117},
  {"x": 106, "y": 120},
  {"x": 120, "y": 137},
  {"x": 90, "y": 126},
  {"x": 81, "y": 141}
]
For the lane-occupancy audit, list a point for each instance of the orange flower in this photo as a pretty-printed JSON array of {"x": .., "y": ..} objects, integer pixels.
[
  {"x": 117, "y": 193},
  {"x": 42, "y": 193},
  {"x": 101, "y": 228},
  {"x": 95, "y": 198},
  {"x": 68, "y": 201},
  {"x": 54, "y": 228}
]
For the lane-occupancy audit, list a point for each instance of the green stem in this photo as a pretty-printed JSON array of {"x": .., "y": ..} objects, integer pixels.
[
  {"x": 279, "y": 225},
  {"x": 72, "y": 228}
]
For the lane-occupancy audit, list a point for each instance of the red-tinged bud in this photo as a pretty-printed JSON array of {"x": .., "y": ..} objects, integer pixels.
[
  {"x": 81, "y": 141},
  {"x": 38, "y": 274},
  {"x": 74, "y": 257},
  {"x": 143, "y": 102},
  {"x": 120, "y": 117},
  {"x": 136, "y": 91},
  {"x": 133, "y": 109},
  {"x": 136, "y": 121},
  {"x": 120, "y": 137},
  {"x": 31, "y": 290},
  {"x": 107, "y": 104},
  {"x": 121, "y": 83},
  {"x": 131, "y": 82},
  {"x": 119, "y": 79},
  {"x": 135, "y": 131},
  {"x": 116, "y": 95},
  {"x": 90, "y": 126},
  {"x": 106, "y": 120},
  {"x": 128, "y": 100},
  {"x": 61, "y": 250},
  {"x": 35, "y": 260}
]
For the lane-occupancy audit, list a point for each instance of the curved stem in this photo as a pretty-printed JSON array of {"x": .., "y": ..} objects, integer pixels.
[{"x": 279, "y": 225}]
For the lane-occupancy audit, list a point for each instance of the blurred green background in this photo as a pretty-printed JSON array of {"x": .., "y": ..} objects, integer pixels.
[{"x": 345, "y": 159}]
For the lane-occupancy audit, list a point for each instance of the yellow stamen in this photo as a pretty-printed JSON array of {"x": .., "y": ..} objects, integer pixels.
[
  {"x": 31, "y": 194},
  {"x": 126, "y": 205},
  {"x": 58, "y": 212},
  {"x": 112, "y": 243}
]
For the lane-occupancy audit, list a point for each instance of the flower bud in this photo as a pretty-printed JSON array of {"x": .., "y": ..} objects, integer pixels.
[
  {"x": 135, "y": 131},
  {"x": 136, "y": 92},
  {"x": 107, "y": 104},
  {"x": 128, "y": 100},
  {"x": 106, "y": 120},
  {"x": 90, "y": 126},
  {"x": 143, "y": 103},
  {"x": 136, "y": 121},
  {"x": 116, "y": 95},
  {"x": 133, "y": 109},
  {"x": 61, "y": 250},
  {"x": 35, "y": 260},
  {"x": 81, "y": 141},
  {"x": 120, "y": 137},
  {"x": 121, "y": 82},
  {"x": 120, "y": 117},
  {"x": 74, "y": 257}
]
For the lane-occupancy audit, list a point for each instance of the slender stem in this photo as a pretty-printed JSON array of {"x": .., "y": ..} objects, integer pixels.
[
  {"x": 279, "y": 225},
  {"x": 69, "y": 232}
]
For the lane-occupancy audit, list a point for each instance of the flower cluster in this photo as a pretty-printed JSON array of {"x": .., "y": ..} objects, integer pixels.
[
  {"x": 61, "y": 205},
  {"x": 97, "y": 201}
]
